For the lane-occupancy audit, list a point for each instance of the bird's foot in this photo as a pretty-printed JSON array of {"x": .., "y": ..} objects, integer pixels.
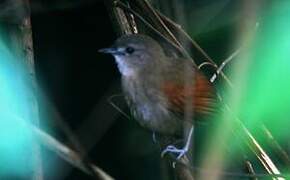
[
  {"x": 172, "y": 149},
  {"x": 180, "y": 152}
]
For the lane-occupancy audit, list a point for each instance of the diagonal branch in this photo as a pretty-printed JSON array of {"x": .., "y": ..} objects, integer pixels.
[{"x": 66, "y": 153}]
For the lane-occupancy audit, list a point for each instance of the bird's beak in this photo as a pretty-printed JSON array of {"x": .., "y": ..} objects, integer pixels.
[{"x": 111, "y": 50}]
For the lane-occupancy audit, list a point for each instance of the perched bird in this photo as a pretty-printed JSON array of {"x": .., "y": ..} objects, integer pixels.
[{"x": 165, "y": 94}]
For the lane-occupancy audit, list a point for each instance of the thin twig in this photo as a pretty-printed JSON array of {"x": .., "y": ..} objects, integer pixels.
[
  {"x": 205, "y": 64},
  {"x": 77, "y": 146},
  {"x": 131, "y": 20},
  {"x": 223, "y": 64},
  {"x": 282, "y": 153},
  {"x": 118, "y": 18},
  {"x": 250, "y": 168},
  {"x": 110, "y": 101}
]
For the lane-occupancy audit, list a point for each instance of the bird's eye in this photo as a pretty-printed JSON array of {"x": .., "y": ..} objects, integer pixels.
[{"x": 129, "y": 50}]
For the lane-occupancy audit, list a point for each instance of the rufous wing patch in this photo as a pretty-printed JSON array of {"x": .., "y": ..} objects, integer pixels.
[{"x": 199, "y": 93}]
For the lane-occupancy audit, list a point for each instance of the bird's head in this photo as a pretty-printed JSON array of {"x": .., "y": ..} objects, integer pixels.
[{"x": 135, "y": 52}]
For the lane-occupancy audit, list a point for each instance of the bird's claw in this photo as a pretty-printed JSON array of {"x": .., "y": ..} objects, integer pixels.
[{"x": 180, "y": 152}]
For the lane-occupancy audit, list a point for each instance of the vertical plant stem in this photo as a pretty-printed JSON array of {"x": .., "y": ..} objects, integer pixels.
[{"x": 27, "y": 45}]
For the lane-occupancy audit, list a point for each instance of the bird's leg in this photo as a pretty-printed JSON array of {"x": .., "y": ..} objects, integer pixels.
[{"x": 180, "y": 152}]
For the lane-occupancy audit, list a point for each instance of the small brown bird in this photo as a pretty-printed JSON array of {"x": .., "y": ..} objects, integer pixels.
[{"x": 161, "y": 91}]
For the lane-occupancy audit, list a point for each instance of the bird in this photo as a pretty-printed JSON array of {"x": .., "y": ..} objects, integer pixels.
[{"x": 166, "y": 95}]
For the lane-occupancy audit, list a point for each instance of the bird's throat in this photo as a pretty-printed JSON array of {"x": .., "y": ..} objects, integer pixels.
[{"x": 124, "y": 68}]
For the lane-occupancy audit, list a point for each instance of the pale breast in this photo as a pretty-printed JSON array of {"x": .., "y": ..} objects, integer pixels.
[
  {"x": 149, "y": 108},
  {"x": 157, "y": 118}
]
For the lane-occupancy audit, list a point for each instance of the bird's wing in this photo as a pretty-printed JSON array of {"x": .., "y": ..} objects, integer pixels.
[{"x": 198, "y": 95}]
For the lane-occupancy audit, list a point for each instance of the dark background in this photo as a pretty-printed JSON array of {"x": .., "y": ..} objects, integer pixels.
[{"x": 77, "y": 81}]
